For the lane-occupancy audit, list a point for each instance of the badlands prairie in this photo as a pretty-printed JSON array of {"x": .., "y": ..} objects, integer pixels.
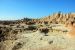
[{"x": 55, "y": 32}]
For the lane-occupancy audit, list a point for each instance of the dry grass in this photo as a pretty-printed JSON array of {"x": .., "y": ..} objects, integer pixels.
[{"x": 48, "y": 48}]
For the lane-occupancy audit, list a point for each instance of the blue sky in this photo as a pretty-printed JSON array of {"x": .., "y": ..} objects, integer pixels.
[{"x": 18, "y": 9}]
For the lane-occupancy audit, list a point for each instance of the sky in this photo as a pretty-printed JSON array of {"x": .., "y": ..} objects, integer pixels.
[{"x": 18, "y": 9}]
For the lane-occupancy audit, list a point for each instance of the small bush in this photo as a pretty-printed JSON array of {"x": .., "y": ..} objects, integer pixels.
[
  {"x": 2, "y": 36},
  {"x": 4, "y": 33},
  {"x": 45, "y": 31},
  {"x": 15, "y": 32},
  {"x": 18, "y": 46},
  {"x": 30, "y": 23},
  {"x": 50, "y": 42},
  {"x": 45, "y": 22},
  {"x": 31, "y": 28}
]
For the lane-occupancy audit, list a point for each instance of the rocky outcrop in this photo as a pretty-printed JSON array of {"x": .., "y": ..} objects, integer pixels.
[{"x": 60, "y": 18}]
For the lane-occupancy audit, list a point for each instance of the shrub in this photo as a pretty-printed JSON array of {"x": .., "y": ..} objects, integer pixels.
[
  {"x": 45, "y": 22},
  {"x": 17, "y": 46},
  {"x": 44, "y": 30},
  {"x": 31, "y": 28},
  {"x": 30, "y": 23},
  {"x": 4, "y": 33}
]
